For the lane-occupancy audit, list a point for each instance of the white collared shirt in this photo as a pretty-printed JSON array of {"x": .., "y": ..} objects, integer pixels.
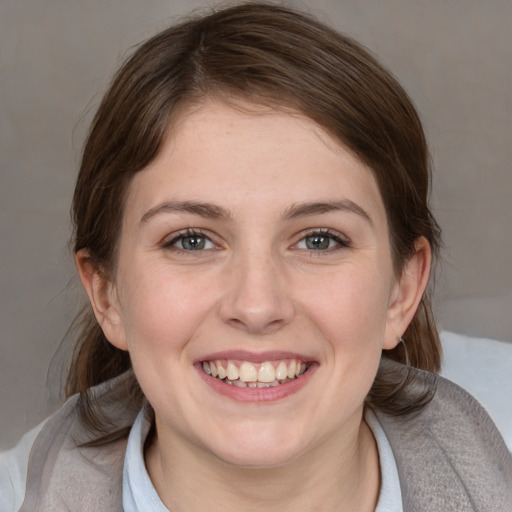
[{"x": 139, "y": 494}]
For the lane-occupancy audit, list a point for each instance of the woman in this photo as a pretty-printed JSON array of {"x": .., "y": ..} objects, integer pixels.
[{"x": 253, "y": 232}]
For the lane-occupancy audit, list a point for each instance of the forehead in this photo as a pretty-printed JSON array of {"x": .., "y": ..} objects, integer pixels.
[{"x": 222, "y": 154}]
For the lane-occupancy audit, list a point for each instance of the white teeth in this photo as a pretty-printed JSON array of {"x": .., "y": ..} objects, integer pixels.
[
  {"x": 266, "y": 373},
  {"x": 251, "y": 375},
  {"x": 221, "y": 370},
  {"x": 206, "y": 368},
  {"x": 281, "y": 371},
  {"x": 292, "y": 368},
  {"x": 248, "y": 372},
  {"x": 232, "y": 371}
]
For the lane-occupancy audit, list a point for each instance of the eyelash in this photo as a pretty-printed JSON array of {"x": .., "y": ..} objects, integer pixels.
[
  {"x": 187, "y": 233},
  {"x": 342, "y": 242}
]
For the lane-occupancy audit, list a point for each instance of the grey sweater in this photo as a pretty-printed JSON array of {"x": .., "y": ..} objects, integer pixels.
[{"x": 450, "y": 457}]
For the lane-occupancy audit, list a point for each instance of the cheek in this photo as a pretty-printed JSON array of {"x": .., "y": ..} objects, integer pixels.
[
  {"x": 350, "y": 306},
  {"x": 160, "y": 310}
]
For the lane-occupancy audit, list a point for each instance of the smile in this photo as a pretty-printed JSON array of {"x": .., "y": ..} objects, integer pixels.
[{"x": 245, "y": 374}]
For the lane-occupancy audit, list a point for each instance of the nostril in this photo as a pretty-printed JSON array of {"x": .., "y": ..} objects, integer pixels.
[
  {"x": 262, "y": 319},
  {"x": 253, "y": 326}
]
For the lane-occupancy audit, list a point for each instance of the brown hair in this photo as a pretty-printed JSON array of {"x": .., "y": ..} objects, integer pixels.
[{"x": 264, "y": 54}]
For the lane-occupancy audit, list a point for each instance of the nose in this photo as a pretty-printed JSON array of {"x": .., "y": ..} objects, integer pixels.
[{"x": 257, "y": 298}]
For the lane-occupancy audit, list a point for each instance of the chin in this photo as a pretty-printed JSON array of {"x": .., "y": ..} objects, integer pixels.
[
  {"x": 257, "y": 459},
  {"x": 248, "y": 451}
]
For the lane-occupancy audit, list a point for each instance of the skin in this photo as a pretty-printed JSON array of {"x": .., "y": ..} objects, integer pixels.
[{"x": 257, "y": 286}]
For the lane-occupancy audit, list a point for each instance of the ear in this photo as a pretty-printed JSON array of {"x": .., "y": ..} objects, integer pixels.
[
  {"x": 103, "y": 298},
  {"x": 407, "y": 293}
]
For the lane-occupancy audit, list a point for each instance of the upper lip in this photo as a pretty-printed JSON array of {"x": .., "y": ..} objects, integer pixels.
[{"x": 253, "y": 357}]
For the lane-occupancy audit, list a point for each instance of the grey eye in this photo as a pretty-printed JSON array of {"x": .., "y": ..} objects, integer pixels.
[
  {"x": 318, "y": 242},
  {"x": 193, "y": 243},
  {"x": 322, "y": 240}
]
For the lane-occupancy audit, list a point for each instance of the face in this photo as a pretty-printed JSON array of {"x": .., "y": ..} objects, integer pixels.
[{"x": 254, "y": 287}]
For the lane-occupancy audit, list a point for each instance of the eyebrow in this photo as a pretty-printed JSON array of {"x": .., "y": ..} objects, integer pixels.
[
  {"x": 212, "y": 211},
  {"x": 206, "y": 210},
  {"x": 316, "y": 208}
]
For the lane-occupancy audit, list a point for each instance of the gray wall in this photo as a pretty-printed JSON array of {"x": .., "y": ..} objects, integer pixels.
[{"x": 56, "y": 58}]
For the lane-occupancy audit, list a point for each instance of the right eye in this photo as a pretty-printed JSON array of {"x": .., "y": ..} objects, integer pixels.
[{"x": 190, "y": 241}]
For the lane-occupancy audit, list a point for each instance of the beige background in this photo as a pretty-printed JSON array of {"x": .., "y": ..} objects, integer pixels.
[{"x": 56, "y": 57}]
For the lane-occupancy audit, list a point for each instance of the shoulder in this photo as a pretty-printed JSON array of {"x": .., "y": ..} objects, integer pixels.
[
  {"x": 450, "y": 456},
  {"x": 13, "y": 471},
  {"x": 65, "y": 472},
  {"x": 484, "y": 368}
]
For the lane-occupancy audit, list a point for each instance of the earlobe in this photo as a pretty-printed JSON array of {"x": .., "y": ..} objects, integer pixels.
[
  {"x": 408, "y": 293},
  {"x": 103, "y": 298}
]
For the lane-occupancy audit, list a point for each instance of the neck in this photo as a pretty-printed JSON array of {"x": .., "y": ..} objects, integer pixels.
[{"x": 338, "y": 476}]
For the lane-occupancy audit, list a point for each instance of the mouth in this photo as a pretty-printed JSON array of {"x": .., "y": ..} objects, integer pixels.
[{"x": 246, "y": 374}]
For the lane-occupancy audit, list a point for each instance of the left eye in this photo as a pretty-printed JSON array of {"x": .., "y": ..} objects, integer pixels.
[{"x": 320, "y": 242}]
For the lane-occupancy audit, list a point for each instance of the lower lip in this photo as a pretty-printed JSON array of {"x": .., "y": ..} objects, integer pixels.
[{"x": 270, "y": 394}]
